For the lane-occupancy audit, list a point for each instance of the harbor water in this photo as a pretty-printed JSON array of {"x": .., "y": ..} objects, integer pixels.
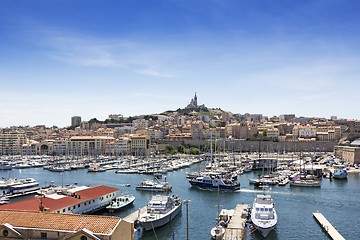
[{"x": 337, "y": 200}]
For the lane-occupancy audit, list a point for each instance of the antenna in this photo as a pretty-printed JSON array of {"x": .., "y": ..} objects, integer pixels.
[{"x": 41, "y": 202}]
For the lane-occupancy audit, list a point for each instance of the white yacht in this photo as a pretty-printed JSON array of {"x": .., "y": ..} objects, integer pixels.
[
  {"x": 160, "y": 210},
  {"x": 263, "y": 214},
  {"x": 153, "y": 185},
  {"x": 27, "y": 186}
]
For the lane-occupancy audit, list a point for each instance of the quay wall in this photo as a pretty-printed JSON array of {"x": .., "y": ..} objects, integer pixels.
[{"x": 264, "y": 146}]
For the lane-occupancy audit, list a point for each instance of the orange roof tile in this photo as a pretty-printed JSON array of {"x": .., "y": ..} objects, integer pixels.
[{"x": 58, "y": 221}]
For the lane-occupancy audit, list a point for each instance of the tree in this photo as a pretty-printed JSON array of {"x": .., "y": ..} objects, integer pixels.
[
  {"x": 169, "y": 148},
  {"x": 181, "y": 149},
  {"x": 194, "y": 151},
  {"x": 264, "y": 132}
]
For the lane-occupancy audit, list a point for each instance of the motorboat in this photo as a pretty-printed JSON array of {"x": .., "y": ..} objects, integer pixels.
[
  {"x": 305, "y": 183},
  {"x": 153, "y": 185},
  {"x": 24, "y": 187},
  {"x": 96, "y": 169},
  {"x": 222, "y": 222},
  {"x": 126, "y": 171},
  {"x": 263, "y": 214},
  {"x": 5, "y": 166},
  {"x": 214, "y": 183},
  {"x": 339, "y": 172},
  {"x": 159, "y": 211},
  {"x": 120, "y": 202}
]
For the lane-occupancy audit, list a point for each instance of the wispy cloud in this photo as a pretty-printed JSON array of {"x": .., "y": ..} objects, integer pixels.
[
  {"x": 85, "y": 50},
  {"x": 154, "y": 73}
]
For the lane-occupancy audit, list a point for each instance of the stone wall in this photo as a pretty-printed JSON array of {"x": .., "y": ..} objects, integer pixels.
[{"x": 264, "y": 146}]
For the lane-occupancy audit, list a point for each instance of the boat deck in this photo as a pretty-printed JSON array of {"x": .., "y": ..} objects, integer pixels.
[
  {"x": 135, "y": 215},
  {"x": 328, "y": 227},
  {"x": 237, "y": 227}
]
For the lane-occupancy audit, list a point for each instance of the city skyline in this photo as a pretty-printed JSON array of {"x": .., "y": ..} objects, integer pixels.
[{"x": 91, "y": 59}]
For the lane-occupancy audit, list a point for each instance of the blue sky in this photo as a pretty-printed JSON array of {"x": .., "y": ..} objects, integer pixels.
[{"x": 60, "y": 58}]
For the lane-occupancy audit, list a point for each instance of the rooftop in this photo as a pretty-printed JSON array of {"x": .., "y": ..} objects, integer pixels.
[
  {"x": 57, "y": 221},
  {"x": 53, "y": 203}
]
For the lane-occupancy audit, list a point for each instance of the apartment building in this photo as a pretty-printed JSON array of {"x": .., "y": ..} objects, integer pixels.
[
  {"x": 11, "y": 142},
  {"x": 140, "y": 144},
  {"x": 121, "y": 146},
  {"x": 88, "y": 145}
]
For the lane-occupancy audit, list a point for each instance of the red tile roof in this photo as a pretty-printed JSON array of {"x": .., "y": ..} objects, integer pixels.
[
  {"x": 96, "y": 192},
  {"x": 58, "y": 221}
]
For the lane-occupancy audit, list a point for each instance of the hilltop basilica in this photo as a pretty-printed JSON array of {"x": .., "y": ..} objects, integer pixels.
[{"x": 194, "y": 106}]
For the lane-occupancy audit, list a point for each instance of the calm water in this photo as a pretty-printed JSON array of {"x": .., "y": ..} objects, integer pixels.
[{"x": 337, "y": 200}]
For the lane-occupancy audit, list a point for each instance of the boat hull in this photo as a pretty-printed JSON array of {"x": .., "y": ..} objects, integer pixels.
[
  {"x": 305, "y": 184},
  {"x": 339, "y": 176},
  {"x": 152, "y": 189},
  {"x": 112, "y": 209},
  {"x": 264, "y": 231},
  {"x": 148, "y": 225},
  {"x": 212, "y": 187}
]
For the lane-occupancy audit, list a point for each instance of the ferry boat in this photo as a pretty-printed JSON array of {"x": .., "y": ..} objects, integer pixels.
[
  {"x": 214, "y": 183},
  {"x": 339, "y": 172},
  {"x": 263, "y": 214},
  {"x": 24, "y": 187},
  {"x": 159, "y": 211},
  {"x": 5, "y": 166},
  {"x": 153, "y": 185},
  {"x": 6, "y": 183},
  {"x": 120, "y": 202}
]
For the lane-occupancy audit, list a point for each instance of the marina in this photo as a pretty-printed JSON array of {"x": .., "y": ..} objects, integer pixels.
[{"x": 294, "y": 206}]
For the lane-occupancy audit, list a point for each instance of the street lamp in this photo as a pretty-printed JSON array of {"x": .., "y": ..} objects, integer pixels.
[{"x": 187, "y": 202}]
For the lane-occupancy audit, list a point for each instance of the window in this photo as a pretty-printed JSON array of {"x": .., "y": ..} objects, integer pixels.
[
  {"x": 83, "y": 237},
  {"x": 64, "y": 210},
  {"x": 43, "y": 235},
  {"x": 79, "y": 205},
  {"x": 5, "y": 233}
]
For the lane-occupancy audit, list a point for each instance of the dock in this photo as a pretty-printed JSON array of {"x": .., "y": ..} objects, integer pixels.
[
  {"x": 135, "y": 215},
  {"x": 328, "y": 227},
  {"x": 237, "y": 228}
]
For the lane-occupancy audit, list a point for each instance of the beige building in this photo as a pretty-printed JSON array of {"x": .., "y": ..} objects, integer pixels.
[
  {"x": 44, "y": 225},
  {"x": 118, "y": 147},
  {"x": 88, "y": 145},
  {"x": 140, "y": 144},
  {"x": 11, "y": 142},
  {"x": 348, "y": 154},
  {"x": 152, "y": 133},
  {"x": 242, "y": 130},
  {"x": 272, "y": 134}
]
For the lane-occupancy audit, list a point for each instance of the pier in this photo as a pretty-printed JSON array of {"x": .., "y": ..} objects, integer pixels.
[
  {"x": 328, "y": 227},
  {"x": 135, "y": 215},
  {"x": 237, "y": 227}
]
